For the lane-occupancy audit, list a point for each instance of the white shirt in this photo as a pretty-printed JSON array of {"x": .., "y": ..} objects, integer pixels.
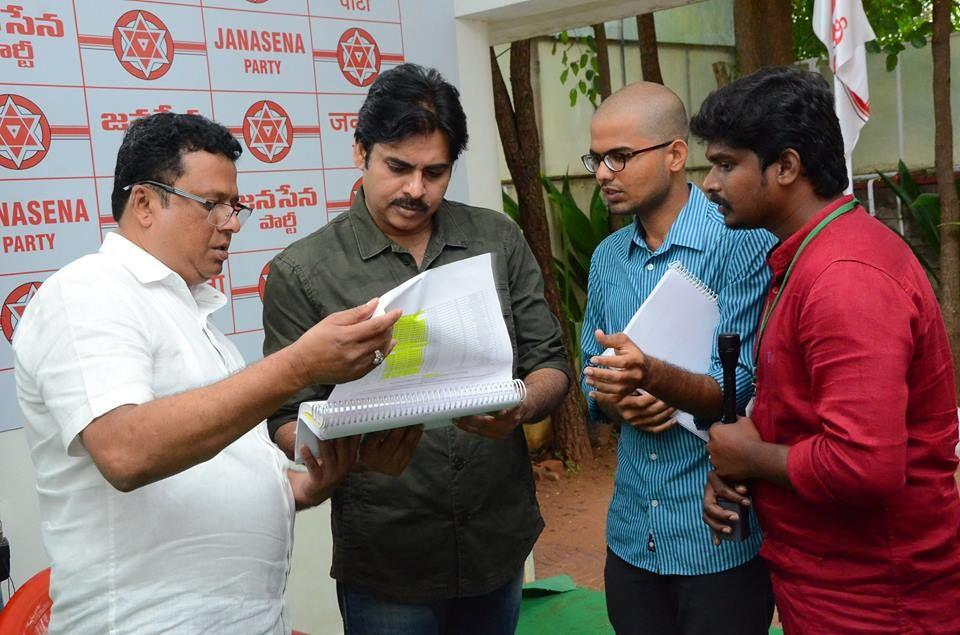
[{"x": 204, "y": 551}]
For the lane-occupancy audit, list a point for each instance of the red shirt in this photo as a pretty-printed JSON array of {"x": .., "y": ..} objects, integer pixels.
[{"x": 855, "y": 375}]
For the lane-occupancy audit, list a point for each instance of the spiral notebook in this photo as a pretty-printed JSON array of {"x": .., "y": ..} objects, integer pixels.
[
  {"x": 453, "y": 358},
  {"x": 677, "y": 324}
]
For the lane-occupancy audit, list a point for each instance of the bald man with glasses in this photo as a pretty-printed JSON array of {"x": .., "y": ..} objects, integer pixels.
[
  {"x": 165, "y": 507},
  {"x": 663, "y": 574}
]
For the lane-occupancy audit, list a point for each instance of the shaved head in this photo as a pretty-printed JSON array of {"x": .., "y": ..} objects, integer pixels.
[{"x": 652, "y": 110}]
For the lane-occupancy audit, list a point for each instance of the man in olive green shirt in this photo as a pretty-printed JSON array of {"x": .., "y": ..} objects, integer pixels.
[{"x": 439, "y": 549}]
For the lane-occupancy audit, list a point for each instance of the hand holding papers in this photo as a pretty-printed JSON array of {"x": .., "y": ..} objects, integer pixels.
[
  {"x": 453, "y": 358},
  {"x": 676, "y": 324}
]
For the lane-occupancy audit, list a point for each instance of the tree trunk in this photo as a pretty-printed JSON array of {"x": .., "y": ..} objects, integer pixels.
[
  {"x": 764, "y": 33},
  {"x": 603, "y": 60},
  {"x": 649, "y": 55},
  {"x": 943, "y": 160},
  {"x": 516, "y": 122}
]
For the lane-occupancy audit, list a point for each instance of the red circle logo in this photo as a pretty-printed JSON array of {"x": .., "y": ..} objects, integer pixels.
[
  {"x": 359, "y": 57},
  {"x": 268, "y": 131},
  {"x": 143, "y": 44},
  {"x": 256, "y": 1},
  {"x": 24, "y": 133},
  {"x": 14, "y": 306},
  {"x": 262, "y": 284},
  {"x": 356, "y": 188}
]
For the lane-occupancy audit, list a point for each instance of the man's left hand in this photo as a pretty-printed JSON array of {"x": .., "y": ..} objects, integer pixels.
[
  {"x": 729, "y": 449},
  {"x": 326, "y": 471},
  {"x": 625, "y": 372},
  {"x": 496, "y": 425}
]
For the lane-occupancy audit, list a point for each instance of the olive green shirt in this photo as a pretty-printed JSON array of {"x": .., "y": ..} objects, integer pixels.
[{"x": 463, "y": 516}]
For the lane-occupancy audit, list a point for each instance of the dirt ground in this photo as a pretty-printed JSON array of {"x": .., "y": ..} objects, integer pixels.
[{"x": 575, "y": 510}]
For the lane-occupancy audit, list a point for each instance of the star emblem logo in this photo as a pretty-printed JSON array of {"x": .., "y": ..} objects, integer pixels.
[
  {"x": 358, "y": 56},
  {"x": 14, "y": 306},
  {"x": 356, "y": 188},
  {"x": 262, "y": 284},
  {"x": 268, "y": 131},
  {"x": 24, "y": 133},
  {"x": 143, "y": 44}
]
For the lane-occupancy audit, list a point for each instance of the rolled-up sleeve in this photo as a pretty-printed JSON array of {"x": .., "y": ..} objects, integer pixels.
[
  {"x": 538, "y": 332},
  {"x": 592, "y": 320},
  {"x": 288, "y": 312},
  {"x": 856, "y": 332},
  {"x": 741, "y": 299}
]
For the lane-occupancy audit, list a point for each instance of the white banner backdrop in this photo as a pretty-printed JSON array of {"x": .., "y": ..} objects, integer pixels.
[{"x": 285, "y": 76}]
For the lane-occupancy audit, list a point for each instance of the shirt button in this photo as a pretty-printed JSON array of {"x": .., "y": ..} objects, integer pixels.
[
  {"x": 654, "y": 503},
  {"x": 458, "y": 463},
  {"x": 649, "y": 266},
  {"x": 650, "y": 545},
  {"x": 653, "y": 456}
]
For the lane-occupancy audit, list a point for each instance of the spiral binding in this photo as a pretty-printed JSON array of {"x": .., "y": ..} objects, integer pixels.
[
  {"x": 677, "y": 266},
  {"x": 492, "y": 396}
]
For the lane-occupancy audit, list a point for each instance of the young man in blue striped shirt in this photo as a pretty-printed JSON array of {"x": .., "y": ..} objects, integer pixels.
[{"x": 663, "y": 574}]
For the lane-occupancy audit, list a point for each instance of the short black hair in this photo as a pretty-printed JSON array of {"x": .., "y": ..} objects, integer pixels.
[
  {"x": 775, "y": 109},
  {"x": 152, "y": 147},
  {"x": 411, "y": 100}
]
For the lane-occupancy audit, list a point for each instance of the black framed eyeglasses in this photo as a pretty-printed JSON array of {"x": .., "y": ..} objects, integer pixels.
[
  {"x": 616, "y": 160},
  {"x": 218, "y": 213}
]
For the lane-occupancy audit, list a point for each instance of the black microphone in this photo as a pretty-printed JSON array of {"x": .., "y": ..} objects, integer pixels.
[{"x": 728, "y": 346}]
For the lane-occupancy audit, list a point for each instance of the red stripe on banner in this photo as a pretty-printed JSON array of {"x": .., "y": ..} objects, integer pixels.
[
  {"x": 392, "y": 57},
  {"x": 69, "y": 130},
  {"x": 338, "y": 205},
  {"x": 190, "y": 46},
  {"x": 324, "y": 55},
  {"x": 238, "y": 291},
  {"x": 235, "y": 130},
  {"x": 95, "y": 40},
  {"x": 857, "y": 104},
  {"x": 306, "y": 130}
]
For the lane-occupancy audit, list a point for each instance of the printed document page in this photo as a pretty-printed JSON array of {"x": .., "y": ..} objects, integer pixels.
[{"x": 451, "y": 334}]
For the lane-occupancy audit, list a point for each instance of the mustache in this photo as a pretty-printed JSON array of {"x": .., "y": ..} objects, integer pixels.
[
  {"x": 410, "y": 203},
  {"x": 720, "y": 201}
]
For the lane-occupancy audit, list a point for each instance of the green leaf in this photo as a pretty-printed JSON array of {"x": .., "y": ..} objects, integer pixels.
[
  {"x": 872, "y": 46},
  {"x": 906, "y": 182},
  {"x": 583, "y": 87},
  {"x": 575, "y": 67},
  {"x": 892, "y": 61},
  {"x": 591, "y": 42},
  {"x": 510, "y": 207},
  {"x": 584, "y": 60},
  {"x": 563, "y": 75},
  {"x": 599, "y": 217},
  {"x": 917, "y": 40},
  {"x": 589, "y": 74},
  {"x": 564, "y": 37},
  {"x": 573, "y": 97},
  {"x": 595, "y": 64},
  {"x": 926, "y": 212}
]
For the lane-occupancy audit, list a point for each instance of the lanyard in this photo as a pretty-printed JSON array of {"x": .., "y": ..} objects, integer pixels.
[{"x": 768, "y": 311}]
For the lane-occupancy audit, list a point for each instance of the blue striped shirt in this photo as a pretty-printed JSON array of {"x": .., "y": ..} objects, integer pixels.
[{"x": 654, "y": 521}]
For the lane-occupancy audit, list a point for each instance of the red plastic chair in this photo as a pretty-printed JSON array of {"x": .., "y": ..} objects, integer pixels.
[{"x": 28, "y": 611}]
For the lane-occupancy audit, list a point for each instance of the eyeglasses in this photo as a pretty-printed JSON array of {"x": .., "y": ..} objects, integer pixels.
[
  {"x": 616, "y": 160},
  {"x": 218, "y": 214}
]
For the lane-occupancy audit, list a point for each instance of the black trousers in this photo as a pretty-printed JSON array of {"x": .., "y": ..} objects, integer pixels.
[{"x": 738, "y": 601}]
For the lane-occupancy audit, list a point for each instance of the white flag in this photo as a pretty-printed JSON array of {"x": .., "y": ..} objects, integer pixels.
[{"x": 843, "y": 28}]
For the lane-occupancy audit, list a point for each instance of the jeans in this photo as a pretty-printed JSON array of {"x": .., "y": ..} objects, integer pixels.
[{"x": 494, "y": 613}]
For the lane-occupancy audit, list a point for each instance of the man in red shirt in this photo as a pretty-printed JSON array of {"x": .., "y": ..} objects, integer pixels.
[{"x": 849, "y": 450}]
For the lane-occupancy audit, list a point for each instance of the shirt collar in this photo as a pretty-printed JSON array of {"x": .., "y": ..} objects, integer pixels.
[
  {"x": 782, "y": 254},
  {"x": 148, "y": 269},
  {"x": 371, "y": 240},
  {"x": 687, "y": 229}
]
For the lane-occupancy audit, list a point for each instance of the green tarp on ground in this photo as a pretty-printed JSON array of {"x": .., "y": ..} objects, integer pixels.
[{"x": 555, "y": 606}]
